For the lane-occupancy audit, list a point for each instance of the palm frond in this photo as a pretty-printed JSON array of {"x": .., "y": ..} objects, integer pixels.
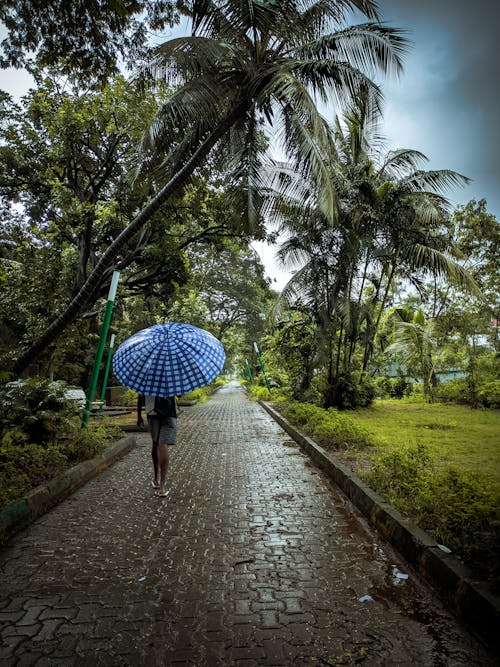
[
  {"x": 431, "y": 260},
  {"x": 369, "y": 47},
  {"x": 436, "y": 180},
  {"x": 399, "y": 163}
]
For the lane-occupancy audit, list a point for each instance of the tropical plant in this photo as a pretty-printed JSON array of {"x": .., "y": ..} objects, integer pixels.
[
  {"x": 413, "y": 345},
  {"x": 389, "y": 223},
  {"x": 89, "y": 36},
  {"x": 248, "y": 66}
]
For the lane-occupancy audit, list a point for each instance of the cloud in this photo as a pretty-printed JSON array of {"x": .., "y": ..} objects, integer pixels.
[{"x": 447, "y": 103}]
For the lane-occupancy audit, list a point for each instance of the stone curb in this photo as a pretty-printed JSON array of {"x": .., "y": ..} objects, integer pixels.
[
  {"x": 20, "y": 513},
  {"x": 470, "y": 599}
]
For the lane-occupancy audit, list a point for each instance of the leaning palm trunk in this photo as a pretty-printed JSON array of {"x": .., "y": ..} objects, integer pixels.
[{"x": 94, "y": 280}]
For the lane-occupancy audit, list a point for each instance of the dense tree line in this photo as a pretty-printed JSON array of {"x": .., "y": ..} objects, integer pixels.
[{"x": 169, "y": 175}]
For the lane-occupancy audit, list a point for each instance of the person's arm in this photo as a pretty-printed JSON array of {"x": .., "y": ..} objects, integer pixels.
[{"x": 140, "y": 403}]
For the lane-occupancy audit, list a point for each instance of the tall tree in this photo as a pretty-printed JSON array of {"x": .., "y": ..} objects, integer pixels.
[
  {"x": 220, "y": 299},
  {"x": 389, "y": 223},
  {"x": 86, "y": 38},
  {"x": 247, "y": 64}
]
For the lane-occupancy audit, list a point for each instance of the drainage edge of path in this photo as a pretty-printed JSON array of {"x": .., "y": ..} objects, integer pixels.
[
  {"x": 21, "y": 512},
  {"x": 471, "y": 600}
]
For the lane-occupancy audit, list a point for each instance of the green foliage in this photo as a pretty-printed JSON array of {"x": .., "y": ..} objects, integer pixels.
[
  {"x": 129, "y": 398},
  {"x": 398, "y": 387},
  {"x": 41, "y": 435},
  {"x": 397, "y": 473},
  {"x": 261, "y": 392},
  {"x": 488, "y": 394},
  {"x": 88, "y": 38},
  {"x": 330, "y": 428},
  {"x": 454, "y": 391},
  {"x": 38, "y": 409},
  {"x": 89, "y": 442},
  {"x": 337, "y": 430},
  {"x": 203, "y": 393},
  {"x": 350, "y": 391},
  {"x": 454, "y": 506}
]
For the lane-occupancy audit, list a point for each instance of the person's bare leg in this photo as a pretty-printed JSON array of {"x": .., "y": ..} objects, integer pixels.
[
  {"x": 154, "y": 456},
  {"x": 163, "y": 466}
]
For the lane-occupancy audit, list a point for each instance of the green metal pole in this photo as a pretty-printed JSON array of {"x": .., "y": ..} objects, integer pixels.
[
  {"x": 256, "y": 347},
  {"x": 106, "y": 372},
  {"x": 100, "y": 348},
  {"x": 249, "y": 371}
]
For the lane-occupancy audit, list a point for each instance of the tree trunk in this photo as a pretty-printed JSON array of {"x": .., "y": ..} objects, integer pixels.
[
  {"x": 373, "y": 331},
  {"x": 95, "y": 278}
]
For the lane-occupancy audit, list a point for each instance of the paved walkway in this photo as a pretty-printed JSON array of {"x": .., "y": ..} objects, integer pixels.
[{"x": 253, "y": 559}]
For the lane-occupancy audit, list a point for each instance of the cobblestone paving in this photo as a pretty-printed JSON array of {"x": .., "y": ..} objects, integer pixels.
[{"x": 253, "y": 559}]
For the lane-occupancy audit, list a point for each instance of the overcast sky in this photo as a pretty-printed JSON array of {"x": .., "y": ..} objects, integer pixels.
[{"x": 446, "y": 103}]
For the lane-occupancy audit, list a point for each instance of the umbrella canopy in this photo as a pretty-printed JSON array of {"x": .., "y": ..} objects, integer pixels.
[{"x": 168, "y": 359}]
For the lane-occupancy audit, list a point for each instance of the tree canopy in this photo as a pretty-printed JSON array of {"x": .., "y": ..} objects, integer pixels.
[
  {"x": 246, "y": 64},
  {"x": 84, "y": 38}
]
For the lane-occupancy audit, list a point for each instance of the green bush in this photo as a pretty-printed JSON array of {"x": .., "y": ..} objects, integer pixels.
[
  {"x": 382, "y": 386},
  {"x": 337, "y": 430},
  {"x": 454, "y": 391},
  {"x": 89, "y": 442},
  {"x": 259, "y": 393},
  {"x": 389, "y": 387},
  {"x": 397, "y": 474},
  {"x": 350, "y": 392},
  {"x": 488, "y": 394},
  {"x": 129, "y": 398},
  {"x": 39, "y": 408},
  {"x": 456, "y": 508},
  {"x": 330, "y": 428},
  {"x": 41, "y": 435},
  {"x": 303, "y": 414}
]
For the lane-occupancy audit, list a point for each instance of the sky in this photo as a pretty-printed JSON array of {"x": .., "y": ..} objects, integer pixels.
[{"x": 446, "y": 104}]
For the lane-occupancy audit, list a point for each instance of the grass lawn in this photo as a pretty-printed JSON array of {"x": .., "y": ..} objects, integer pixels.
[{"x": 456, "y": 435}]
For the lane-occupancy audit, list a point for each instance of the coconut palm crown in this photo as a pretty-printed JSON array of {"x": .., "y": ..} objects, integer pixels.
[{"x": 260, "y": 68}]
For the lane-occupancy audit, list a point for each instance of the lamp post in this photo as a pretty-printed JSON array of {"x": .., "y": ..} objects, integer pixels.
[
  {"x": 256, "y": 347},
  {"x": 106, "y": 372},
  {"x": 100, "y": 348},
  {"x": 249, "y": 371}
]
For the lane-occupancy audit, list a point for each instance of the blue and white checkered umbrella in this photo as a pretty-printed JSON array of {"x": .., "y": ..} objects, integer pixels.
[{"x": 168, "y": 359}]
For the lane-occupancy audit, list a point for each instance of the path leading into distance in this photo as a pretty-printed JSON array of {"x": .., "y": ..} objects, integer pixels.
[{"x": 254, "y": 558}]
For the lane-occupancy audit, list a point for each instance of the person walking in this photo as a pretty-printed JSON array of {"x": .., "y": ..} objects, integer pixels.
[{"x": 161, "y": 414}]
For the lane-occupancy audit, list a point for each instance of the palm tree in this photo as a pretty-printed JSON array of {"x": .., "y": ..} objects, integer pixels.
[
  {"x": 389, "y": 222},
  {"x": 249, "y": 66},
  {"x": 413, "y": 345}
]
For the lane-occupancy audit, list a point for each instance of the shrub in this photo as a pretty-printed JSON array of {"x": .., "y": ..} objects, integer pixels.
[
  {"x": 41, "y": 435},
  {"x": 382, "y": 386},
  {"x": 397, "y": 474},
  {"x": 329, "y": 428},
  {"x": 454, "y": 391},
  {"x": 39, "y": 408},
  {"x": 337, "y": 430},
  {"x": 349, "y": 392},
  {"x": 455, "y": 507},
  {"x": 259, "y": 393},
  {"x": 488, "y": 394},
  {"x": 397, "y": 387},
  {"x": 303, "y": 414}
]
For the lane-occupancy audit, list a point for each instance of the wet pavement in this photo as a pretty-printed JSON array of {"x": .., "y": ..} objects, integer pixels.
[{"x": 254, "y": 558}]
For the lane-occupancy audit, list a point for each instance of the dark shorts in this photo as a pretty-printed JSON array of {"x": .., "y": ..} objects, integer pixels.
[{"x": 163, "y": 431}]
